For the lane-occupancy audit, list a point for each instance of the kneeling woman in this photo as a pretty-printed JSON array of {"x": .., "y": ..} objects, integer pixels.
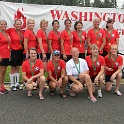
[
  {"x": 33, "y": 73},
  {"x": 56, "y": 72},
  {"x": 113, "y": 68},
  {"x": 96, "y": 65}
]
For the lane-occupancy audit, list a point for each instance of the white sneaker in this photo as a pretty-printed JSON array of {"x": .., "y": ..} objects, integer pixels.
[{"x": 99, "y": 94}]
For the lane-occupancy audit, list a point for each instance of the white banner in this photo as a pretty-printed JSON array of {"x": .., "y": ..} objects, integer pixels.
[{"x": 11, "y": 11}]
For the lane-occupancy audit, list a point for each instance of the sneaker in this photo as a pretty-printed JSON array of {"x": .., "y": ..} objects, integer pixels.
[
  {"x": 18, "y": 87},
  {"x": 118, "y": 93},
  {"x": 13, "y": 88},
  {"x": 99, "y": 94},
  {"x": 3, "y": 90}
]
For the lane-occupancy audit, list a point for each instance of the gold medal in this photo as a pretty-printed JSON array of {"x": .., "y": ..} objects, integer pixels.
[
  {"x": 97, "y": 42},
  {"x": 71, "y": 46},
  {"x": 80, "y": 45},
  {"x": 109, "y": 44},
  {"x": 8, "y": 47}
]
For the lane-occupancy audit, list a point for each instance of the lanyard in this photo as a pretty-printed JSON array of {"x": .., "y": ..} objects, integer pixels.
[
  {"x": 70, "y": 36},
  {"x": 20, "y": 37},
  {"x": 7, "y": 38},
  {"x": 111, "y": 61},
  {"x": 57, "y": 35},
  {"x": 56, "y": 69},
  {"x": 94, "y": 63},
  {"x": 32, "y": 70},
  {"x": 80, "y": 38},
  {"x": 107, "y": 36},
  {"x": 97, "y": 34},
  {"x": 78, "y": 70}
]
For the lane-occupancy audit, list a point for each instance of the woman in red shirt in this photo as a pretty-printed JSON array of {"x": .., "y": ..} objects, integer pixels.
[
  {"x": 4, "y": 54},
  {"x": 112, "y": 36},
  {"x": 96, "y": 36},
  {"x": 33, "y": 73},
  {"x": 96, "y": 65},
  {"x": 43, "y": 49},
  {"x": 114, "y": 63},
  {"x": 79, "y": 38},
  {"x": 66, "y": 41},
  {"x": 54, "y": 37},
  {"x": 16, "y": 35},
  {"x": 56, "y": 73},
  {"x": 30, "y": 39}
]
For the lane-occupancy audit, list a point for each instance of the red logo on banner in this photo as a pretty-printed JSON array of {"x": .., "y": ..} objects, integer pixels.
[{"x": 19, "y": 15}]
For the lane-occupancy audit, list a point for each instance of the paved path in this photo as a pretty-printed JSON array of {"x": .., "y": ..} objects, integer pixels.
[{"x": 17, "y": 108}]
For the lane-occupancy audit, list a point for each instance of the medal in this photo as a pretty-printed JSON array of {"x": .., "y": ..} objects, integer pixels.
[
  {"x": 80, "y": 45},
  {"x": 109, "y": 44},
  {"x": 97, "y": 42},
  {"x": 8, "y": 47}
]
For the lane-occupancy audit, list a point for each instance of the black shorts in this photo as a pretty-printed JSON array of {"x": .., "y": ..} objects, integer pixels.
[
  {"x": 40, "y": 56},
  {"x": 82, "y": 55},
  {"x": 93, "y": 78},
  {"x": 16, "y": 58},
  {"x": 104, "y": 53},
  {"x": 107, "y": 78},
  {"x": 68, "y": 57},
  {"x": 5, "y": 62}
]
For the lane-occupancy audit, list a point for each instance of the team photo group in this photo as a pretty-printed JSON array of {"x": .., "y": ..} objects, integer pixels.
[{"x": 71, "y": 58}]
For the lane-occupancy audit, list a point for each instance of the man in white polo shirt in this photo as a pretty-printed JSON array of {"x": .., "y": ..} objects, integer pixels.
[{"x": 78, "y": 73}]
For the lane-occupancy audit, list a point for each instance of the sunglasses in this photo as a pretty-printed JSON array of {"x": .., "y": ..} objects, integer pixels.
[{"x": 57, "y": 55}]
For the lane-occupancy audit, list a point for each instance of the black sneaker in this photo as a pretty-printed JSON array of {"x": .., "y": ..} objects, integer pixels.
[
  {"x": 13, "y": 88},
  {"x": 18, "y": 87}
]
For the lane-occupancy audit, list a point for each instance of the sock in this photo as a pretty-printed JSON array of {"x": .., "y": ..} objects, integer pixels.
[
  {"x": 12, "y": 80},
  {"x": 99, "y": 90},
  {"x": 17, "y": 75}
]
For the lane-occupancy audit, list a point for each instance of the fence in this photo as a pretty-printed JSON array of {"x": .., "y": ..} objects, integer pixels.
[{"x": 82, "y": 3}]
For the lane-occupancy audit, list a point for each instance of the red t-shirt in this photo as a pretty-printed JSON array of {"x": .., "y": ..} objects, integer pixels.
[
  {"x": 100, "y": 62},
  {"x": 68, "y": 41},
  {"x": 95, "y": 38},
  {"x": 42, "y": 35},
  {"x": 55, "y": 40},
  {"x": 50, "y": 67},
  {"x": 32, "y": 40},
  {"x": 113, "y": 64},
  {"x": 16, "y": 39},
  {"x": 111, "y": 39},
  {"x": 77, "y": 43},
  {"x": 4, "y": 46},
  {"x": 36, "y": 68}
]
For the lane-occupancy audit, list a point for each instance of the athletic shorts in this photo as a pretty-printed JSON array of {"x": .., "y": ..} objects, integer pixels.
[
  {"x": 40, "y": 56},
  {"x": 68, "y": 57},
  {"x": 5, "y": 62},
  {"x": 93, "y": 78},
  {"x": 16, "y": 58},
  {"x": 107, "y": 78}
]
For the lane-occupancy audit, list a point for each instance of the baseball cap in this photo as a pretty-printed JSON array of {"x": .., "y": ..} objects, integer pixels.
[{"x": 56, "y": 52}]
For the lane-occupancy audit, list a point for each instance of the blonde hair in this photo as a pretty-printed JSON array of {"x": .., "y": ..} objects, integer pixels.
[
  {"x": 109, "y": 53},
  {"x": 30, "y": 20},
  {"x": 96, "y": 19},
  {"x": 41, "y": 22},
  {"x": 94, "y": 46}
]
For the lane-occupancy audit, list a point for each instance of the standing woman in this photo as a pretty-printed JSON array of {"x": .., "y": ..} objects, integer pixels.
[
  {"x": 16, "y": 35},
  {"x": 54, "y": 37},
  {"x": 66, "y": 41},
  {"x": 96, "y": 36},
  {"x": 114, "y": 63},
  {"x": 79, "y": 38},
  {"x": 96, "y": 65},
  {"x": 30, "y": 39},
  {"x": 43, "y": 43},
  {"x": 4, "y": 54},
  {"x": 33, "y": 73},
  {"x": 112, "y": 36}
]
